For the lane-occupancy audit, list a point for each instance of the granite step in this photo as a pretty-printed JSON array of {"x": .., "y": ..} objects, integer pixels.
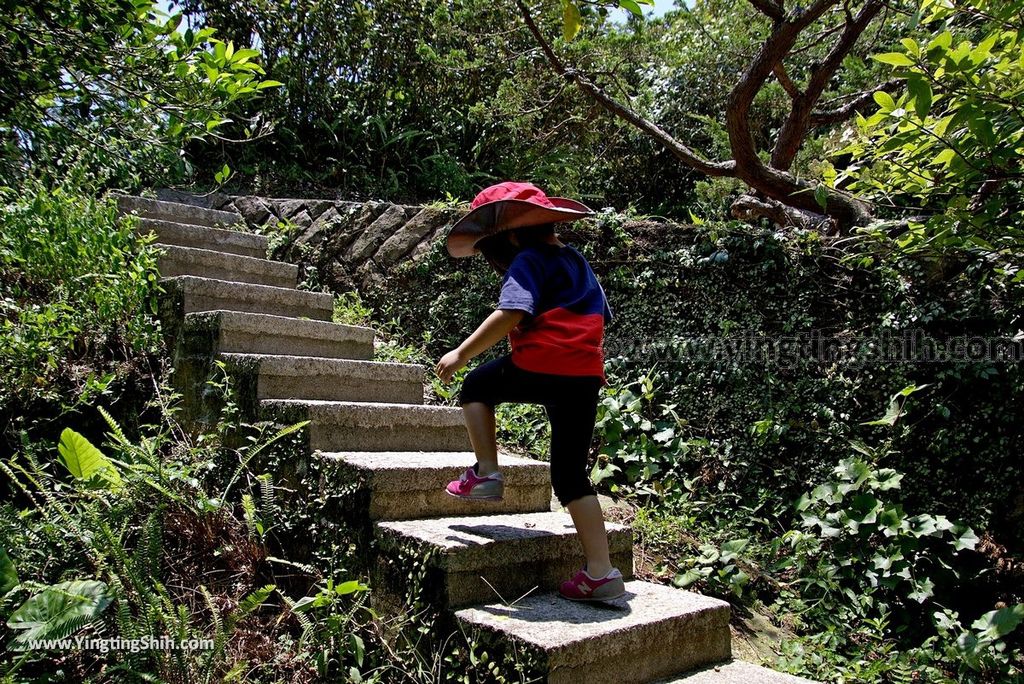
[
  {"x": 204, "y": 237},
  {"x": 736, "y": 672},
  {"x": 145, "y": 207},
  {"x": 175, "y": 260},
  {"x": 257, "y": 333},
  {"x": 479, "y": 559},
  {"x": 373, "y": 426},
  {"x": 651, "y": 632},
  {"x": 404, "y": 485},
  {"x": 192, "y": 293},
  {"x": 308, "y": 377}
]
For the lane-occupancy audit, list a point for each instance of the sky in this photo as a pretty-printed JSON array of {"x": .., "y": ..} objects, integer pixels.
[{"x": 660, "y": 7}]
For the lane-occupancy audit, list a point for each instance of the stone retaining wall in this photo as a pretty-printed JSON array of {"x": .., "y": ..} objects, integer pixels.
[{"x": 348, "y": 244}]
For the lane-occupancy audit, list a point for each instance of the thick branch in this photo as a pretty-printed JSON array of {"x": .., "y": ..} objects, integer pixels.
[
  {"x": 794, "y": 130},
  {"x": 857, "y": 104},
  {"x": 776, "y": 183},
  {"x": 774, "y": 49},
  {"x": 681, "y": 151},
  {"x": 785, "y": 81},
  {"x": 773, "y": 10},
  {"x": 750, "y": 208}
]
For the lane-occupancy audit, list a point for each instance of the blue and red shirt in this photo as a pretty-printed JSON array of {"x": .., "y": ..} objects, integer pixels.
[{"x": 563, "y": 331}]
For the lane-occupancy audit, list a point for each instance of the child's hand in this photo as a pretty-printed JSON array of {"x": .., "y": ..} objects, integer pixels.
[{"x": 450, "y": 364}]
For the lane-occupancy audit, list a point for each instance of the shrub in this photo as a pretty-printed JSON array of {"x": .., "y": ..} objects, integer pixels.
[{"x": 78, "y": 291}]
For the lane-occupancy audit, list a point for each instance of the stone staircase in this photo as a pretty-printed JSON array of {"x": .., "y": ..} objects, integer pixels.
[{"x": 225, "y": 302}]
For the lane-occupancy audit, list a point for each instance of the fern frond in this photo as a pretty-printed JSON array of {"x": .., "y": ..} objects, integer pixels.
[
  {"x": 269, "y": 506},
  {"x": 220, "y": 636},
  {"x": 123, "y": 618},
  {"x": 250, "y": 603},
  {"x": 256, "y": 450},
  {"x": 115, "y": 430},
  {"x": 236, "y": 671},
  {"x": 308, "y": 569},
  {"x": 249, "y": 513}
]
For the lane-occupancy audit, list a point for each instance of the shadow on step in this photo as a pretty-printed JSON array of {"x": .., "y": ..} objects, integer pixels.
[
  {"x": 564, "y": 611},
  {"x": 478, "y": 535}
]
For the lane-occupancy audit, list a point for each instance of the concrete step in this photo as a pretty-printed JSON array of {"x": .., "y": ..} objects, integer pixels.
[
  {"x": 403, "y": 485},
  {"x": 372, "y": 426},
  {"x": 651, "y": 632},
  {"x": 192, "y": 293},
  {"x": 514, "y": 553},
  {"x": 175, "y": 260},
  {"x": 236, "y": 331},
  {"x": 204, "y": 237},
  {"x": 308, "y": 377},
  {"x": 144, "y": 207},
  {"x": 736, "y": 672}
]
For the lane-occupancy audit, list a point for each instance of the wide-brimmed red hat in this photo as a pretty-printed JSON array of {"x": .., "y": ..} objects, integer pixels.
[{"x": 505, "y": 206}]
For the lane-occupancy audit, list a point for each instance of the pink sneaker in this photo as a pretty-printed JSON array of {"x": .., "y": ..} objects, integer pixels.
[
  {"x": 583, "y": 587},
  {"x": 472, "y": 486}
]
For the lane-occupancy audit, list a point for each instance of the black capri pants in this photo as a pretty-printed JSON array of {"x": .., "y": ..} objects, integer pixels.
[{"x": 570, "y": 402}]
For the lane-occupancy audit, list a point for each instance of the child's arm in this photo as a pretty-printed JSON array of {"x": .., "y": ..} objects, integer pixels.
[{"x": 490, "y": 332}]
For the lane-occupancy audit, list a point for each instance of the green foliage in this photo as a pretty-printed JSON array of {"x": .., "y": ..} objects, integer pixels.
[
  {"x": 168, "y": 554},
  {"x": 349, "y": 309},
  {"x": 869, "y": 548},
  {"x": 84, "y": 461},
  {"x": 77, "y": 290},
  {"x": 947, "y": 148},
  {"x": 58, "y": 611},
  {"x": 115, "y": 87}
]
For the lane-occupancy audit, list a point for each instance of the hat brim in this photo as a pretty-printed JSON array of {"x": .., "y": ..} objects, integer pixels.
[{"x": 494, "y": 217}]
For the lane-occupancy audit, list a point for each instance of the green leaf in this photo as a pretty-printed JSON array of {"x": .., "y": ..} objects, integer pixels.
[
  {"x": 884, "y": 100},
  {"x": 921, "y": 91},
  {"x": 923, "y": 590},
  {"x": 349, "y": 587},
  {"x": 59, "y": 610},
  {"x": 731, "y": 549},
  {"x": 8, "y": 574},
  {"x": 821, "y": 197},
  {"x": 601, "y": 473},
  {"x": 996, "y": 624},
  {"x": 687, "y": 578},
  {"x": 245, "y": 54},
  {"x": 83, "y": 460},
  {"x": 570, "y": 20},
  {"x": 967, "y": 540},
  {"x": 632, "y": 7},
  {"x": 893, "y": 58},
  {"x": 943, "y": 158}
]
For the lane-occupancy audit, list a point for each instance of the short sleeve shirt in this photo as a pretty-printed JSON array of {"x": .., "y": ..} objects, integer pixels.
[{"x": 563, "y": 331}]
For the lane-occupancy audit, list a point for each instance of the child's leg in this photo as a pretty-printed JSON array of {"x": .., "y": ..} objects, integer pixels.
[
  {"x": 586, "y": 515},
  {"x": 486, "y": 386},
  {"x": 479, "y": 419},
  {"x": 572, "y": 428}
]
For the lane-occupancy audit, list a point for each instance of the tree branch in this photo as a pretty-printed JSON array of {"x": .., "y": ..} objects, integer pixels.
[
  {"x": 773, "y": 10},
  {"x": 858, "y": 103},
  {"x": 774, "y": 181},
  {"x": 750, "y": 208},
  {"x": 793, "y": 131},
  {"x": 785, "y": 81},
  {"x": 773, "y": 51},
  {"x": 681, "y": 151}
]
